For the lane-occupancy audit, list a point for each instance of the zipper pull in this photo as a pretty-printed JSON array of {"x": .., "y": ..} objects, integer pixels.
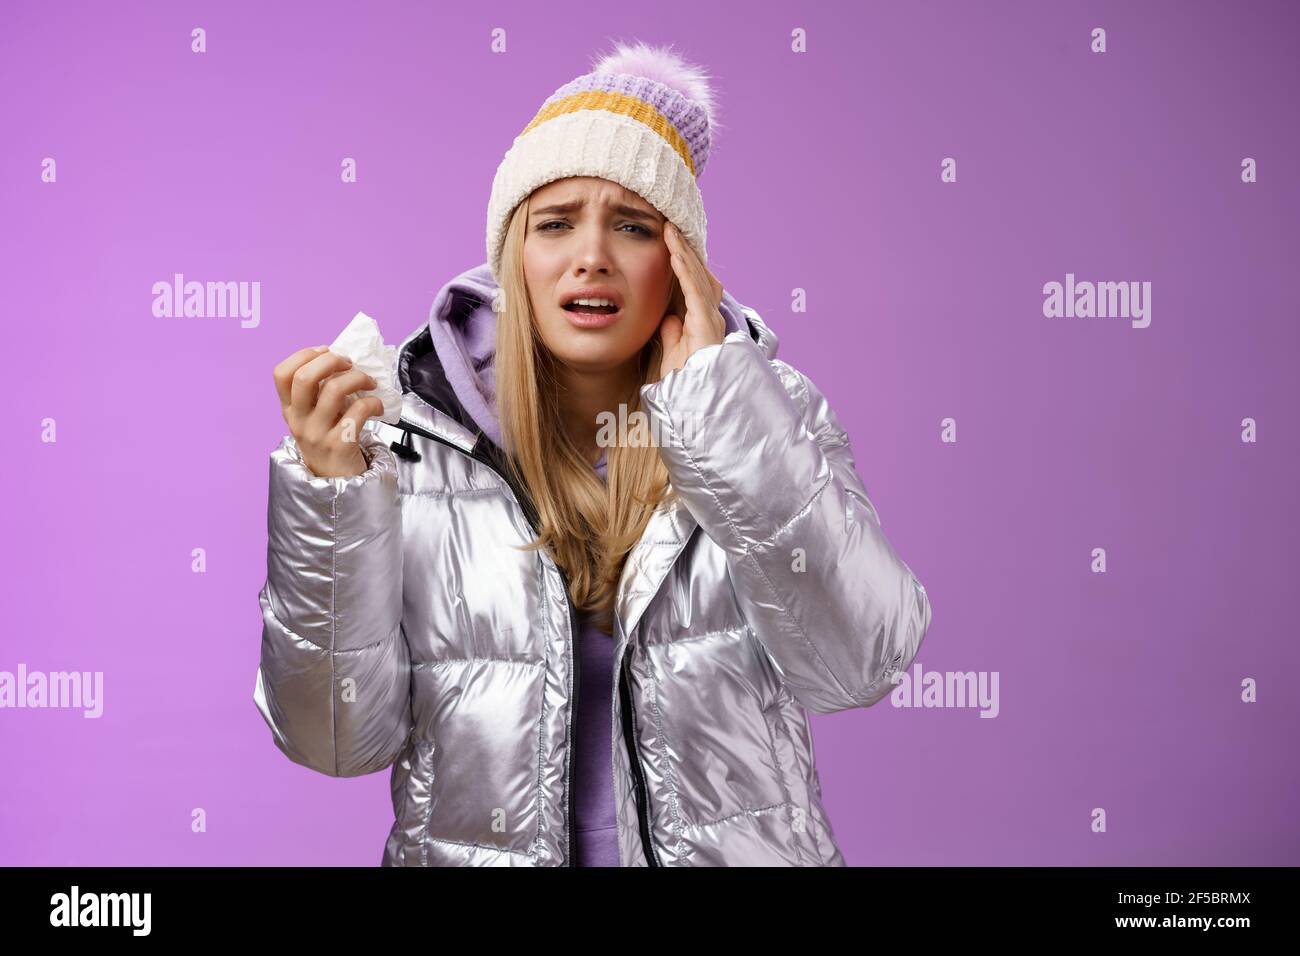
[{"x": 404, "y": 450}]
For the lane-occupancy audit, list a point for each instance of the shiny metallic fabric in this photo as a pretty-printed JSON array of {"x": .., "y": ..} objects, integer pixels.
[{"x": 403, "y": 629}]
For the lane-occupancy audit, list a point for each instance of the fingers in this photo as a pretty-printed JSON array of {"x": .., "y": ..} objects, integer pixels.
[
  {"x": 368, "y": 407},
  {"x": 680, "y": 247},
  {"x": 333, "y": 398},
  {"x": 685, "y": 263},
  {"x": 305, "y": 381},
  {"x": 283, "y": 373},
  {"x": 694, "y": 277},
  {"x": 707, "y": 278}
]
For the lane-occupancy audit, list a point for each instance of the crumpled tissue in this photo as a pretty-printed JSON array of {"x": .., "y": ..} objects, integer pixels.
[{"x": 362, "y": 342}]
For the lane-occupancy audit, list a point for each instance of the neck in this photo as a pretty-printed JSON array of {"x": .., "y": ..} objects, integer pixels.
[{"x": 585, "y": 394}]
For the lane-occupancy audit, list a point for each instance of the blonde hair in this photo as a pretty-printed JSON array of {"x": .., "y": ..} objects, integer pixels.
[{"x": 588, "y": 527}]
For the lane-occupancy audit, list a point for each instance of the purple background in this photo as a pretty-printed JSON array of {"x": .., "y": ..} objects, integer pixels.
[{"x": 925, "y": 299}]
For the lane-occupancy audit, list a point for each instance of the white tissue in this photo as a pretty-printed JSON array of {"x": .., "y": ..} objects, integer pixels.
[{"x": 364, "y": 345}]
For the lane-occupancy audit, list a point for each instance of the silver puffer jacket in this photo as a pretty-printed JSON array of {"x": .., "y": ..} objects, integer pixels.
[{"x": 402, "y": 628}]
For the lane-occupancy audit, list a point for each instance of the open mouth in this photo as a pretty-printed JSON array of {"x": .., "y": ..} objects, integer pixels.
[
  {"x": 592, "y": 302},
  {"x": 591, "y": 309}
]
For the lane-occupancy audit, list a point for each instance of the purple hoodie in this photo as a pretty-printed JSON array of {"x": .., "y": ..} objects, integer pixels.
[{"x": 462, "y": 327}]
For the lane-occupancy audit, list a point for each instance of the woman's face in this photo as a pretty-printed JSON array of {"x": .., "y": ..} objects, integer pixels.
[{"x": 588, "y": 233}]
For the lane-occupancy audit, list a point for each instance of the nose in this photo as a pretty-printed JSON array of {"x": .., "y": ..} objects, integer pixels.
[{"x": 591, "y": 253}]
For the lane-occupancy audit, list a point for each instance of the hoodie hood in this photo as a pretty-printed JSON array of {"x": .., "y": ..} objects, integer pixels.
[{"x": 448, "y": 361}]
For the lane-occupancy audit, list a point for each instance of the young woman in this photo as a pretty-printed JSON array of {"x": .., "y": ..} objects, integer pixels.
[{"x": 582, "y": 596}]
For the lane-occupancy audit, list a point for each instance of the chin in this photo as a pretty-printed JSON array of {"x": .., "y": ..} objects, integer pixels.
[
  {"x": 591, "y": 349},
  {"x": 591, "y": 357}
]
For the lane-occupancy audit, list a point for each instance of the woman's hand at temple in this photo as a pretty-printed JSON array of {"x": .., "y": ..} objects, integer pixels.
[{"x": 704, "y": 324}]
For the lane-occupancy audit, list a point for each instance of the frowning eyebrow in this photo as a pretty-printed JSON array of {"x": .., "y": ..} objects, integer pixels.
[{"x": 563, "y": 209}]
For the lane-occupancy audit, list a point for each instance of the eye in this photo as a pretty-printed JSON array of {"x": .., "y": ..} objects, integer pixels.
[
  {"x": 553, "y": 222},
  {"x": 643, "y": 230}
]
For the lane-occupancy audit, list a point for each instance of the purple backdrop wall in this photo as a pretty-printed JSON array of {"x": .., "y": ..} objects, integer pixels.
[{"x": 1124, "y": 689}]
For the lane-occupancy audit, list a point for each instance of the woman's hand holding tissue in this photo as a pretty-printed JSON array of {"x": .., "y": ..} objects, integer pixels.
[
  {"x": 360, "y": 381},
  {"x": 314, "y": 385}
]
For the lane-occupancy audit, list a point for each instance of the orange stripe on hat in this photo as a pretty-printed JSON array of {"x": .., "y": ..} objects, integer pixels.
[{"x": 623, "y": 105}]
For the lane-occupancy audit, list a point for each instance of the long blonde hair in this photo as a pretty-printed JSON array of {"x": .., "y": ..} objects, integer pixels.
[{"x": 588, "y": 527}]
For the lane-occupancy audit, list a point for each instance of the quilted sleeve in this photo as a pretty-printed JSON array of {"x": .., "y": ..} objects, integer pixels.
[
  {"x": 761, "y": 461},
  {"x": 334, "y": 679}
]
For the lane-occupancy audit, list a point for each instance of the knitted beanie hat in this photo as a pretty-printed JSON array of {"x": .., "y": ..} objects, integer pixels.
[{"x": 643, "y": 118}]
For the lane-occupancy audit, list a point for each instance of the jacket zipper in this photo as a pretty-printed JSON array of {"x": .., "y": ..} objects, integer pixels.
[
  {"x": 404, "y": 450},
  {"x": 570, "y": 836},
  {"x": 634, "y": 750}
]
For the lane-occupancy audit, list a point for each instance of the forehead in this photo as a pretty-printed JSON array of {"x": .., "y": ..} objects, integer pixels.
[{"x": 589, "y": 188}]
